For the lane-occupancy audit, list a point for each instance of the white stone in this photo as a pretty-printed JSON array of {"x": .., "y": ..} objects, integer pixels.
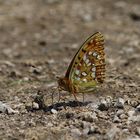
[
  {"x": 112, "y": 133},
  {"x": 138, "y": 130},
  {"x": 76, "y": 132},
  {"x": 138, "y": 107},
  {"x": 35, "y": 105},
  {"x": 120, "y": 103},
  {"x": 7, "y": 109},
  {"x": 131, "y": 113},
  {"x": 116, "y": 119},
  {"x": 54, "y": 111}
]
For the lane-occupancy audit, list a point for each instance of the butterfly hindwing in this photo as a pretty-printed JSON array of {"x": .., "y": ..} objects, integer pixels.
[{"x": 87, "y": 68}]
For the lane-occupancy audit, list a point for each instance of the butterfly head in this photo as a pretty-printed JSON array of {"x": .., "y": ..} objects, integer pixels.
[{"x": 62, "y": 83}]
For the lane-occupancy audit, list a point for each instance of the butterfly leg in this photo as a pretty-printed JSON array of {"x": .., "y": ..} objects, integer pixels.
[
  {"x": 75, "y": 96},
  {"x": 83, "y": 97},
  {"x": 76, "y": 99},
  {"x": 52, "y": 96},
  {"x": 59, "y": 96}
]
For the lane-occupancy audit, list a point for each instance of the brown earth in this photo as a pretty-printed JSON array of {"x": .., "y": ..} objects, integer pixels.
[{"x": 37, "y": 42}]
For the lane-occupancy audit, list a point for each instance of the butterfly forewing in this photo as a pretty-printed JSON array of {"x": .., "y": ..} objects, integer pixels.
[{"x": 87, "y": 68}]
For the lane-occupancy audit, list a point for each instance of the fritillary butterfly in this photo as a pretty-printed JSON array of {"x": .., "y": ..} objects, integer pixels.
[{"x": 87, "y": 68}]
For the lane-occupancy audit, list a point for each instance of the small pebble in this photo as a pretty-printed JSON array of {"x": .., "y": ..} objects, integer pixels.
[
  {"x": 134, "y": 118},
  {"x": 105, "y": 103},
  {"x": 85, "y": 131},
  {"x": 54, "y": 111},
  {"x": 134, "y": 103},
  {"x": 50, "y": 124},
  {"x": 116, "y": 119},
  {"x": 35, "y": 70},
  {"x": 85, "y": 124},
  {"x": 123, "y": 116},
  {"x": 32, "y": 123},
  {"x": 103, "y": 106},
  {"x": 9, "y": 64},
  {"x": 26, "y": 79},
  {"x": 131, "y": 113},
  {"x": 138, "y": 131},
  {"x": 76, "y": 132},
  {"x": 11, "y": 111},
  {"x": 125, "y": 130},
  {"x": 2, "y": 107},
  {"x": 69, "y": 115},
  {"x": 92, "y": 138},
  {"x": 91, "y": 130},
  {"x": 133, "y": 138},
  {"x": 7, "y": 109},
  {"x": 28, "y": 106},
  {"x": 15, "y": 73},
  {"x": 87, "y": 17},
  {"x": 88, "y": 117},
  {"x": 112, "y": 133},
  {"x": 35, "y": 105},
  {"x": 119, "y": 112},
  {"x": 102, "y": 115},
  {"x": 138, "y": 108},
  {"x": 120, "y": 103},
  {"x": 93, "y": 106},
  {"x": 94, "y": 116}
]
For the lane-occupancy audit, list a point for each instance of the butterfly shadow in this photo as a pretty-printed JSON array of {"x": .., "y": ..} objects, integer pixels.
[{"x": 64, "y": 105}]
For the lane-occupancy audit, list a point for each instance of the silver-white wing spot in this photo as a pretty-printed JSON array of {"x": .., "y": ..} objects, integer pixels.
[
  {"x": 94, "y": 54},
  {"x": 93, "y": 75},
  {"x": 84, "y": 73},
  {"x": 84, "y": 80},
  {"x": 77, "y": 72},
  {"x": 93, "y": 69}
]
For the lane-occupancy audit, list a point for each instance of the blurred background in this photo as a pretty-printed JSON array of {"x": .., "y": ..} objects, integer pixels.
[
  {"x": 46, "y": 34},
  {"x": 38, "y": 39},
  {"x": 53, "y": 30}
]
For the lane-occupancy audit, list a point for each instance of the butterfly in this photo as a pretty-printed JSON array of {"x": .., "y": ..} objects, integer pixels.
[{"x": 87, "y": 68}]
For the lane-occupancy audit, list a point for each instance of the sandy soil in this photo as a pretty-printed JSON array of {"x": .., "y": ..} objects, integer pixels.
[{"x": 37, "y": 42}]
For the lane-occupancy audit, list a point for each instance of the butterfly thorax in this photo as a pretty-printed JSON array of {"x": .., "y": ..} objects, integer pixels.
[{"x": 64, "y": 84}]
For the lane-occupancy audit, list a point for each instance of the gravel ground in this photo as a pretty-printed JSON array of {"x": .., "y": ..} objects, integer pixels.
[{"x": 38, "y": 40}]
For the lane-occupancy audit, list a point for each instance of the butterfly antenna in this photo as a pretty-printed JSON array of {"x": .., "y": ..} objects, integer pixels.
[
  {"x": 59, "y": 95},
  {"x": 52, "y": 95}
]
